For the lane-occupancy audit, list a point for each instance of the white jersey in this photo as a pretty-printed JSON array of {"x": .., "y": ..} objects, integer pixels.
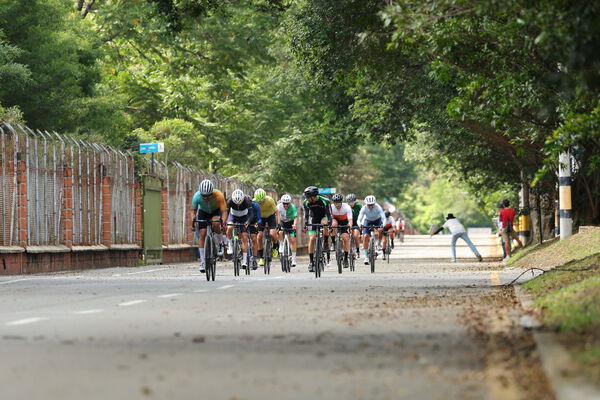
[
  {"x": 400, "y": 224},
  {"x": 389, "y": 222},
  {"x": 454, "y": 225},
  {"x": 344, "y": 213}
]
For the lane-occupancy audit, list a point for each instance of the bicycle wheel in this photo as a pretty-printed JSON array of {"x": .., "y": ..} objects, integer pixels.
[
  {"x": 318, "y": 257},
  {"x": 388, "y": 251},
  {"x": 372, "y": 251},
  {"x": 339, "y": 254},
  {"x": 267, "y": 252},
  {"x": 208, "y": 254},
  {"x": 286, "y": 259},
  {"x": 236, "y": 260},
  {"x": 353, "y": 254}
]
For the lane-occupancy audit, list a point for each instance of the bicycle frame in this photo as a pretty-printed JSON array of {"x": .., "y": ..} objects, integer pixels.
[
  {"x": 319, "y": 254},
  {"x": 210, "y": 248},
  {"x": 237, "y": 248}
]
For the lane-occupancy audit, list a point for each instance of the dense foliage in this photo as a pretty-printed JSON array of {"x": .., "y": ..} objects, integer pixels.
[{"x": 287, "y": 94}]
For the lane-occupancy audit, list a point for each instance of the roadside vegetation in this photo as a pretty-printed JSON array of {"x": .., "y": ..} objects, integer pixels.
[{"x": 568, "y": 296}]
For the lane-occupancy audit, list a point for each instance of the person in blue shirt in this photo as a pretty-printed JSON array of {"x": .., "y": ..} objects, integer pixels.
[{"x": 371, "y": 214}]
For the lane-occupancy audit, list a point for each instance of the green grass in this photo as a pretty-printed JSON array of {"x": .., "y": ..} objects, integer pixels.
[{"x": 568, "y": 296}]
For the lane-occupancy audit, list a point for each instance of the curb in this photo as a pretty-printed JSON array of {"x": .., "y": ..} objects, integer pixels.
[{"x": 557, "y": 363}]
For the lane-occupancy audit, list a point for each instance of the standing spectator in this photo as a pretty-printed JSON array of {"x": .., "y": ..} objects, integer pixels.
[
  {"x": 507, "y": 218},
  {"x": 458, "y": 231},
  {"x": 498, "y": 223}
]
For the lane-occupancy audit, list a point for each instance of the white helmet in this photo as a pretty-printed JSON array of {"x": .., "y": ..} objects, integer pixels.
[
  {"x": 286, "y": 198},
  {"x": 206, "y": 187},
  {"x": 237, "y": 196},
  {"x": 370, "y": 200}
]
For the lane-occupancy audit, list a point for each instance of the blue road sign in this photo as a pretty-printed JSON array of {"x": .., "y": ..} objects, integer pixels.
[
  {"x": 152, "y": 148},
  {"x": 327, "y": 190}
]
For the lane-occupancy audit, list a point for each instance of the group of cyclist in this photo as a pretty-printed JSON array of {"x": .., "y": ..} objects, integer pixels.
[{"x": 261, "y": 214}]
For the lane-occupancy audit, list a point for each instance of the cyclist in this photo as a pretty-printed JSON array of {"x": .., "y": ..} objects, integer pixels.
[
  {"x": 253, "y": 230},
  {"x": 342, "y": 217},
  {"x": 371, "y": 214},
  {"x": 400, "y": 228},
  {"x": 268, "y": 215},
  {"x": 355, "y": 206},
  {"x": 316, "y": 209},
  {"x": 288, "y": 217},
  {"x": 388, "y": 226},
  {"x": 208, "y": 204},
  {"x": 240, "y": 212}
]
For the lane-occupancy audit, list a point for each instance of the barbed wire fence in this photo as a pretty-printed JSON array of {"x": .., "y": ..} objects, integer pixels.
[{"x": 65, "y": 178}]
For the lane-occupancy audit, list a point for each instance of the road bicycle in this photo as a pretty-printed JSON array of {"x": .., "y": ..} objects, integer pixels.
[
  {"x": 267, "y": 249},
  {"x": 319, "y": 254},
  {"x": 339, "y": 250},
  {"x": 211, "y": 248},
  {"x": 236, "y": 245},
  {"x": 285, "y": 250},
  {"x": 353, "y": 256},
  {"x": 388, "y": 248},
  {"x": 372, "y": 250}
]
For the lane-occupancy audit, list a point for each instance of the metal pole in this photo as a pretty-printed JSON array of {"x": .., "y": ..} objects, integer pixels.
[{"x": 564, "y": 181}]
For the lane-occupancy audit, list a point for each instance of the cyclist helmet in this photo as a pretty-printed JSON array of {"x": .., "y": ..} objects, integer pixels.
[
  {"x": 337, "y": 198},
  {"x": 351, "y": 198},
  {"x": 206, "y": 187},
  {"x": 311, "y": 191},
  {"x": 370, "y": 200},
  {"x": 237, "y": 196},
  {"x": 387, "y": 214},
  {"x": 260, "y": 194},
  {"x": 286, "y": 198}
]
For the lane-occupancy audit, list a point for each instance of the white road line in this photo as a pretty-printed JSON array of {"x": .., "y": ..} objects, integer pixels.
[
  {"x": 85, "y": 312},
  {"x": 166, "y": 296},
  {"x": 201, "y": 291},
  {"x": 226, "y": 287},
  {"x": 15, "y": 280},
  {"x": 131, "y": 303},
  {"x": 145, "y": 272},
  {"x": 116, "y": 275},
  {"x": 277, "y": 277},
  {"x": 25, "y": 321}
]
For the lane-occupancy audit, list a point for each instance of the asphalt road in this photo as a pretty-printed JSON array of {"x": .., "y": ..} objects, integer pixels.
[{"x": 414, "y": 329}]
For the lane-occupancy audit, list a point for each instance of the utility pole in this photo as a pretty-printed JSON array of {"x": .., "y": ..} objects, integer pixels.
[{"x": 564, "y": 182}]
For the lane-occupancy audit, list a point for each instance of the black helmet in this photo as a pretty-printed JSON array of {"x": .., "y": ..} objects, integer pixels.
[
  {"x": 387, "y": 214},
  {"x": 351, "y": 198},
  {"x": 311, "y": 191},
  {"x": 337, "y": 198}
]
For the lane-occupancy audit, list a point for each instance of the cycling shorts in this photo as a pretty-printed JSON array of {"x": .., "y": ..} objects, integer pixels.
[
  {"x": 314, "y": 220},
  {"x": 376, "y": 223},
  {"x": 289, "y": 225},
  {"x": 343, "y": 225},
  {"x": 203, "y": 215},
  {"x": 271, "y": 222},
  {"x": 239, "y": 220}
]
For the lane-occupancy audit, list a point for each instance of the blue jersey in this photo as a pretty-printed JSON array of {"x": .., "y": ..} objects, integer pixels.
[{"x": 257, "y": 216}]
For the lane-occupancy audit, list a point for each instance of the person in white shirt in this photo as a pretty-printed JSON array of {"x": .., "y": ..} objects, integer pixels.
[
  {"x": 458, "y": 231},
  {"x": 342, "y": 219},
  {"x": 371, "y": 214}
]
